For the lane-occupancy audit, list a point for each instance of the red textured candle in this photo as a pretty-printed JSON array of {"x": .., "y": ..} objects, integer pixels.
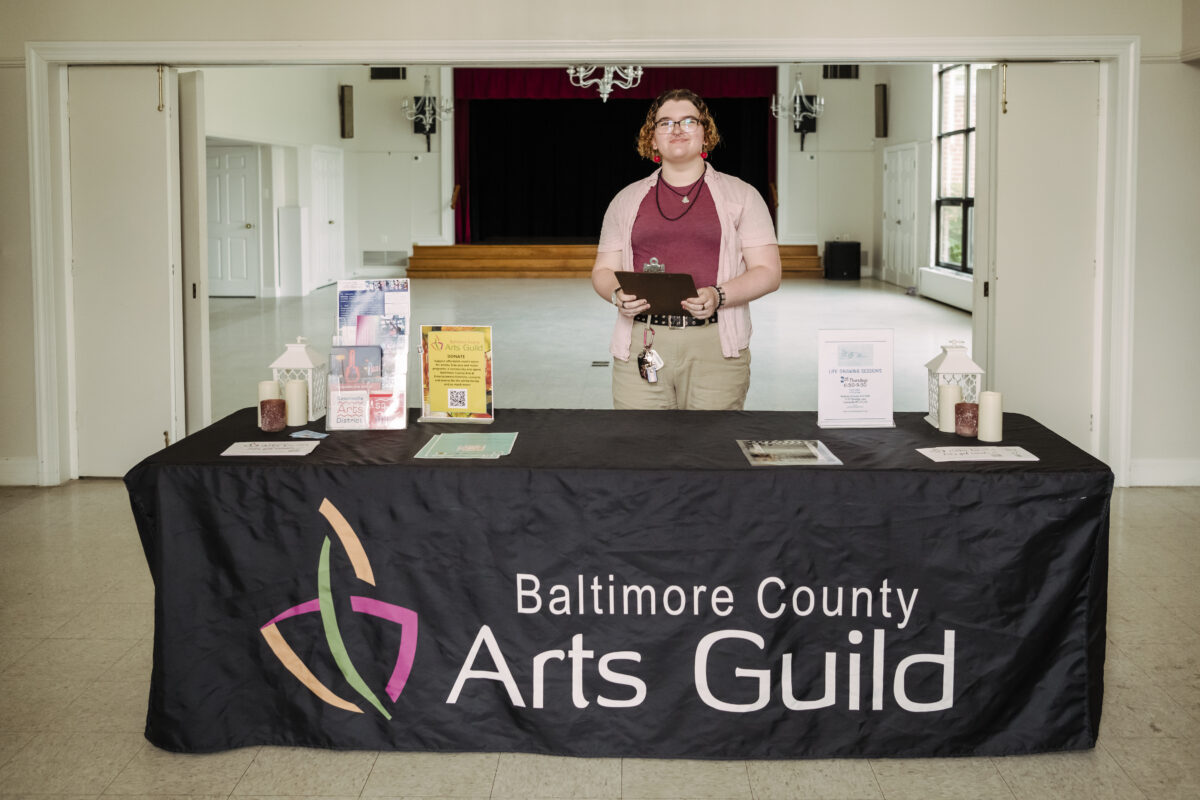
[
  {"x": 274, "y": 414},
  {"x": 966, "y": 419}
]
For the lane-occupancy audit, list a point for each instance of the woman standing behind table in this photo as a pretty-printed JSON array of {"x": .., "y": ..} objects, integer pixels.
[{"x": 686, "y": 217}]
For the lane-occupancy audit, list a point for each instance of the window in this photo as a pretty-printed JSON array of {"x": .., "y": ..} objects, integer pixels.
[{"x": 955, "y": 205}]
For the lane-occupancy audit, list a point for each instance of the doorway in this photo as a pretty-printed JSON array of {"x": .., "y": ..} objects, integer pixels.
[{"x": 45, "y": 63}]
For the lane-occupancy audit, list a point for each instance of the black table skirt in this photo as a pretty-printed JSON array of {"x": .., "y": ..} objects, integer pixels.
[{"x": 625, "y": 584}]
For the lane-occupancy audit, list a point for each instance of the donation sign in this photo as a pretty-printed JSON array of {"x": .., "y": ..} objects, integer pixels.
[{"x": 456, "y": 373}]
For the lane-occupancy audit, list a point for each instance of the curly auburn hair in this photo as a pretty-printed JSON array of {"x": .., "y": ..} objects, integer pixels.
[{"x": 645, "y": 145}]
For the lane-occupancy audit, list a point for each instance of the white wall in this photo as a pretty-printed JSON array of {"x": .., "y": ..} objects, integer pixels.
[
  {"x": 393, "y": 194},
  {"x": 18, "y": 443},
  {"x": 1191, "y": 30},
  {"x": 910, "y": 119},
  {"x": 1166, "y": 437},
  {"x": 1165, "y": 264}
]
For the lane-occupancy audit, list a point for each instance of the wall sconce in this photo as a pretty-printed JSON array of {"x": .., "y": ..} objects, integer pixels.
[
  {"x": 803, "y": 111},
  {"x": 425, "y": 111}
]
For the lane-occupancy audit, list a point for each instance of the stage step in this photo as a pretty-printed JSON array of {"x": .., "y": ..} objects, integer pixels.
[{"x": 553, "y": 261}]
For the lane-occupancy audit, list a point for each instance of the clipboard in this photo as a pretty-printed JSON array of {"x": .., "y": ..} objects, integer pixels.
[{"x": 664, "y": 290}]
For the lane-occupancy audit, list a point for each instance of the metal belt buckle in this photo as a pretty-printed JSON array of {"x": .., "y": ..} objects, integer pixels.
[{"x": 676, "y": 321}]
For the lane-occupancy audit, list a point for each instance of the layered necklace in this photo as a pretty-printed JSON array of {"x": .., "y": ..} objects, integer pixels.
[{"x": 685, "y": 196}]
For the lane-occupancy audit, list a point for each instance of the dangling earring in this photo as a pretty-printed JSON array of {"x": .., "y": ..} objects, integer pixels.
[
  {"x": 657, "y": 158},
  {"x": 704, "y": 154}
]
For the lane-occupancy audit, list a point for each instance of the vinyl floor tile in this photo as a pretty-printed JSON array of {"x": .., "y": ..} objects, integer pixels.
[
  {"x": 68, "y": 763},
  {"x": 521, "y": 776},
  {"x": 1085, "y": 775},
  {"x": 157, "y": 772},
  {"x": 302, "y": 771},
  {"x": 832, "y": 779},
  {"x": 940, "y": 779},
  {"x": 1163, "y": 769},
  {"x": 432, "y": 774},
  {"x": 655, "y": 778}
]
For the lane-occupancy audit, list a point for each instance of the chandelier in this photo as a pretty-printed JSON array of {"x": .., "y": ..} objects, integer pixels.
[
  {"x": 426, "y": 111},
  {"x": 625, "y": 77}
]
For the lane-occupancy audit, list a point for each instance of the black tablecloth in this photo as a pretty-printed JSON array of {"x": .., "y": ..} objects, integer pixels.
[{"x": 626, "y": 584}]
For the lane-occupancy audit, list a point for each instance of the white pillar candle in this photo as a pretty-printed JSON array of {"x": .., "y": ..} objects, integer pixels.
[
  {"x": 991, "y": 417},
  {"x": 267, "y": 390},
  {"x": 296, "y": 394},
  {"x": 948, "y": 395}
]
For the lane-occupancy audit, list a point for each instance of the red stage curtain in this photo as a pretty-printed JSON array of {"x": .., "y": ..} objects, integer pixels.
[{"x": 553, "y": 84}]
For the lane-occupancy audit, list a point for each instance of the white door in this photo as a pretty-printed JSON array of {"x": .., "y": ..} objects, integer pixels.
[
  {"x": 233, "y": 243},
  {"x": 326, "y": 224},
  {"x": 193, "y": 180},
  {"x": 1042, "y": 310},
  {"x": 900, "y": 214},
  {"x": 126, "y": 287}
]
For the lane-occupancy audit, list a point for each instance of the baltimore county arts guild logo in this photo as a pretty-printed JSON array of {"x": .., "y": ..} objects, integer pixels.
[{"x": 323, "y": 605}]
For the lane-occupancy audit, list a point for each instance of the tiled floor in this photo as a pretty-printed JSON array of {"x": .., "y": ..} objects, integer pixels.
[{"x": 76, "y": 627}]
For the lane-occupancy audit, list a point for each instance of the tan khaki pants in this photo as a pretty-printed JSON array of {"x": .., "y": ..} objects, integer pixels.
[{"x": 695, "y": 376}]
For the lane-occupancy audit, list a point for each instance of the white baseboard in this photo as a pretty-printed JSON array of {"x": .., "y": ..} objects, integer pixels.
[
  {"x": 952, "y": 288},
  {"x": 1164, "y": 472},
  {"x": 18, "y": 472}
]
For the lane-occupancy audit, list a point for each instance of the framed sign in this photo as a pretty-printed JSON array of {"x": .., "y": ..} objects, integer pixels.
[
  {"x": 854, "y": 379},
  {"x": 456, "y": 373}
]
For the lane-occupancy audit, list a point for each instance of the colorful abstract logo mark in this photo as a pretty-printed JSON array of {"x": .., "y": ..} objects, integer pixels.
[{"x": 323, "y": 605}]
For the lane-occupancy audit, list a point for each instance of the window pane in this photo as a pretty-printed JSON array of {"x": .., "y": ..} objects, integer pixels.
[
  {"x": 953, "y": 117},
  {"x": 950, "y": 235},
  {"x": 971, "y": 105},
  {"x": 953, "y": 166},
  {"x": 971, "y": 164},
  {"x": 971, "y": 239}
]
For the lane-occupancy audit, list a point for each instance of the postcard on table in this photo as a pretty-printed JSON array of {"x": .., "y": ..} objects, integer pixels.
[
  {"x": 787, "y": 452},
  {"x": 292, "y": 448}
]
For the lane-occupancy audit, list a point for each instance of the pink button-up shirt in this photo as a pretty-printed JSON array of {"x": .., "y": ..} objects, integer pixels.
[{"x": 745, "y": 222}]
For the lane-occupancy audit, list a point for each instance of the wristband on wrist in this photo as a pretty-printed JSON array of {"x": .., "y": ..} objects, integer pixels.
[
  {"x": 720, "y": 296},
  {"x": 614, "y": 296}
]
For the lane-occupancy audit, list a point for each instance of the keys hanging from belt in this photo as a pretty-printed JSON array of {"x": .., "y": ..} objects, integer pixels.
[{"x": 649, "y": 361}]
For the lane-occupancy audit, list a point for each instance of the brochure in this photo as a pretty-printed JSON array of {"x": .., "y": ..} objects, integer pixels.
[
  {"x": 786, "y": 452},
  {"x": 375, "y": 301},
  {"x": 980, "y": 453},
  {"x": 356, "y": 367},
  {"x": 348, "y": 411},
  {"x": 468, "y": 445},
  {"x": 456, "y": 373},
  {"x": 368, "y": 363}
]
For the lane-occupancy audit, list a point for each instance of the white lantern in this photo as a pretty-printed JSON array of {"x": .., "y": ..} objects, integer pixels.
[
  {"x": 953, "y": 367},
  {"x": 302, "y": 363}
]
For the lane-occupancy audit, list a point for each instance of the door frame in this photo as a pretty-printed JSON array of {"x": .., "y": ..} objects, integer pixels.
[{"x": 46, "y": 62}]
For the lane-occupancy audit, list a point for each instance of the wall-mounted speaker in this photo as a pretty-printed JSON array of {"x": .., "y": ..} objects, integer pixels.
[
  {"x": 346, "y": 110},
  {"x": 881, "y": 111}
]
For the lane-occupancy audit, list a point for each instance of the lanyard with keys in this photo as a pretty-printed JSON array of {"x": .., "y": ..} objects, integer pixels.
[{"x": 649, "y": 361}]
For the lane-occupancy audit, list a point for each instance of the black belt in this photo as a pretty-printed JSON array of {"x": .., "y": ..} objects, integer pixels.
[{"x": 675, "y": 320}]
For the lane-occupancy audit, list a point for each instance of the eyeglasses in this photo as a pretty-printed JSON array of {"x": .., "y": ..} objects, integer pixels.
[{"x": 687, "y": 125}]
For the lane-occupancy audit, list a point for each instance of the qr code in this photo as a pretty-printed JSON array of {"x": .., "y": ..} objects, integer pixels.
[{"x": 457, "y": 398}]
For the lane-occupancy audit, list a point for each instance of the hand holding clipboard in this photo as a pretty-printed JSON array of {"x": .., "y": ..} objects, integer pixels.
[{"x": 664, "y": 291}]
